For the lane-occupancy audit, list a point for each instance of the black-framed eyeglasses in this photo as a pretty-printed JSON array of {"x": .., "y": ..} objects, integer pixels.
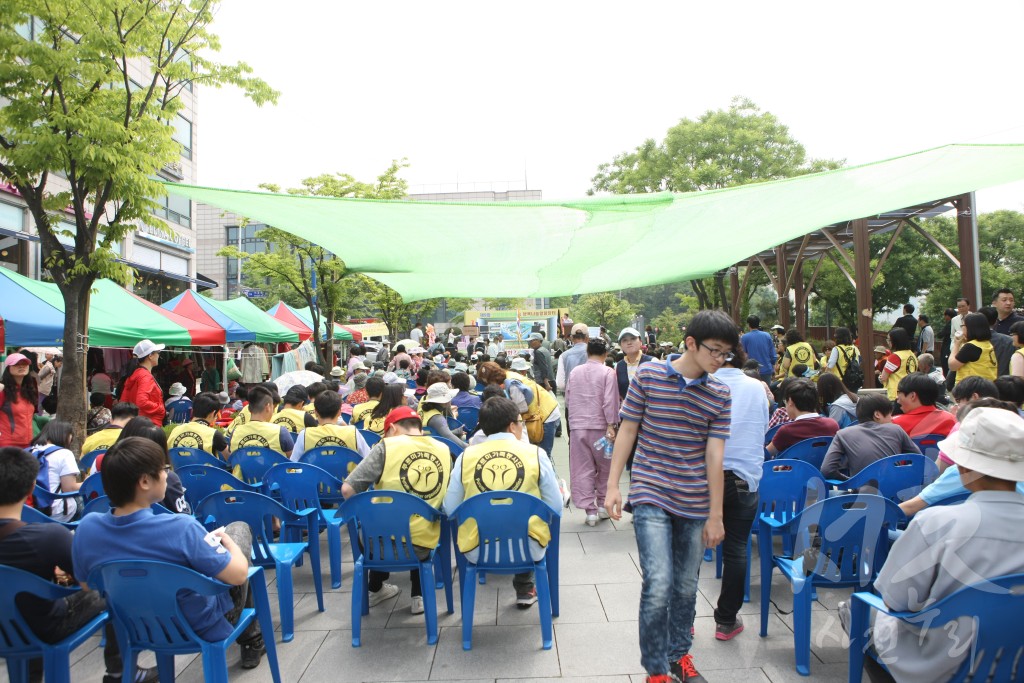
[{"x": 719, "y": 355}]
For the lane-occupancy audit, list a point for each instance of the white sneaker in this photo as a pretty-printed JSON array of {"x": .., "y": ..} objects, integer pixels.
[
  {"x": 386, "y": 592},
  {"x": 417, "y": 605},
  {"x": 602, "y": 513},
  {"x": 591, "y": 520}
]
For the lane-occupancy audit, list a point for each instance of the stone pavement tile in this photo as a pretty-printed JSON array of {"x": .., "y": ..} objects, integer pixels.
[
  {"x": 498, "y": 651},
  {"x": 588, "y": 650},
  {"x": 572, "y": 679},
  {"x": 483, "y": 612},
  {"x": 302, "y": 578},
  {"x": 292, "y": 660},
  {"x": 722, "y": 676},
  {"x": 820, "y": 673},
  {"x": 337, "y": 613},
  {"x": 399, "y": 654},
  {"x": 87, "y": 662},
  {"x": 746, "y": 650},
  {"x": 577, "y": 605},
  {"x": 829, "y": 641},
  {"x": 612, "y": 568},
  {"x": 602, "y": 544},
  {"x": 575, "y": 521},
  {"x": 622, "y": 601},
  {"x": 782, "y": 595}
]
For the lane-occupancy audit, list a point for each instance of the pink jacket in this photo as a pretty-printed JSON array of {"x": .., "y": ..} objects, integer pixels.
[{"x": 592, "y": 396}]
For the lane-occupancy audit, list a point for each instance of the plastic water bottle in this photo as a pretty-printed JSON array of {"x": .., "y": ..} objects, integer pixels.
[{"x": 603, "y": 444}]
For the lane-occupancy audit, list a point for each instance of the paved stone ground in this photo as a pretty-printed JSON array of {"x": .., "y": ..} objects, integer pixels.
[{"x": 595, "y": 636}]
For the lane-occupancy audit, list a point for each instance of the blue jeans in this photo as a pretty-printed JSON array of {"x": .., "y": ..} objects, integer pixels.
[
  {"x": 671, "y": 549},
  {"x": 548, "y": 442}
]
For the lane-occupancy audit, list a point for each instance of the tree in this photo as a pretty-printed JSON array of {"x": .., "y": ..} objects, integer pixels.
[
  {"x": 722, "y": 148},
  {"x": 79, "y": 137},
  {"x": 502, "y": 303},
  {"x": 391, "y": 307},
  {"x": 605, "y": 309},
  {"x": 669, "y": 324},
  {"x": 298, "y": 267}
]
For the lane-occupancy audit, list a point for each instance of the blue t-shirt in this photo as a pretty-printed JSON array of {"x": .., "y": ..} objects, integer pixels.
[
  {"x": 948, "y": 485},
  {"x": 175, "y": 539},
  {"x": 760, "y": 346}
]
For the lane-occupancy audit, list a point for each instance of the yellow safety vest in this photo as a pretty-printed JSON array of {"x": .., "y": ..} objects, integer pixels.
[
  {"x": 101, "y": 440},
  {"x": 986, "y": 366},
  {"x": 544, "y": 402},
  {"x": 801, "y": 353},
  {"x": 908, "y": 364},
  {"x": 329, "y": 435},
  {"x": 422, "y": 466},
  {"x": 291, "y": 419},
  {"x": 263, "y": 434},
  {"x": 195, "y": 434},
  {"x": 241, "y": 417},
  {"x": 501, "y": 465},
  {"x": 363, "y": 410},
  {"x": 309, "y": 408},
  {"x": 425, "y": 416},
  {"x": 844, "y": 351}
]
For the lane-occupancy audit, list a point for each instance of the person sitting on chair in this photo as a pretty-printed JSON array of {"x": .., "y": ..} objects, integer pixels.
[
  {"x": 873, "y": 437},
  {"x": 801, "y": 397},
  {"x": 107, "y": 435},
  {"x": 329, "y": 433},
  {"x": 201, "y": 433},
  {"x": 258, "y": 430}
]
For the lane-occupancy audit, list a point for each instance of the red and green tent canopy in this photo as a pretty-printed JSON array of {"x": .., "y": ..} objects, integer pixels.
[
  {"x": 301, "y": 319},
  {"x": 240, "y": 319}
]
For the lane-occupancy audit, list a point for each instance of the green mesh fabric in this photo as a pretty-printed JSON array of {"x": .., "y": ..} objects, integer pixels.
[{"x": 431, "y": 249}]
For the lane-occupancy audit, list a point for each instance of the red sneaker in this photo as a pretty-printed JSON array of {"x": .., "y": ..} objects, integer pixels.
[{"x": 685, "y": 671}]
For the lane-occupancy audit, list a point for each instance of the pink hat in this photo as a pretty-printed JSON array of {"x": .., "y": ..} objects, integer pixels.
[{"x": 14, "y": 359}]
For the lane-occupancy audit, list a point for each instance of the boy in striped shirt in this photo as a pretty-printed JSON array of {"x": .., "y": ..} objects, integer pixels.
[{"x": 678, "y": 414}]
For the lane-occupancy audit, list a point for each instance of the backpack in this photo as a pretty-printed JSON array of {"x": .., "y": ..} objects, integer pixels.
[
  {"x": 853, "y": 376},
  {"x": 43, "y": 476}
]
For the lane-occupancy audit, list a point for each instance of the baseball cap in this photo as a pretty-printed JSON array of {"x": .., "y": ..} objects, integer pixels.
[
  {"x": 580, "y": 328},
  {"x": 520, "y": 364},
  {"x": 535, "y": 336},
  {"x": 626, "y": 331},
  {"x": 360, "y": 365},
  {"x": 398, "y": 414},
  {"x": 989, "y": 441},
  {"x": 439, "y": 392},
  {"x": 16, "y": 358},
  {"x": 146, "y": 347},
  {"x": 777, "y": 327}
]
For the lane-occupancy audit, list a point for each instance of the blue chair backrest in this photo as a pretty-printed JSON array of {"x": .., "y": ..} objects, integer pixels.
[
  {"x": 152, "y": 619},
  {"x": 809, "y": 450},
  {"x": 785, "y": 488},
  {"x": 302, "y": 485},
  {"x": 382, "y": 518},
  {"x": 853, "y": 533},
  {"x": 371, "y": 438},
  {"x": 86, "y": 461},
  {"x": 201, "y": 480},
  {"x": 338, "y": 461},
  {"x": 480, "y": 386},
  {"x": 346, "y": 418},
  {"x": 469, "y": 417},
  {"x": 258, "y": 511},
  {"x": 30, "y": 515},
  {"x": 453, "y": 448},
  {"x": 502, "y": 521},
  {"x": 410, "y": 383},
  {"x": 180, "y": 411},
  {"x": 770, "y": 434},
  {"x": 183, "y": 457},
  {"x": 16, "y": 638},
  {"x": 254, "y": 462},
  {"x": 101, "y": 504},
  {"x": 897, "y": 477},
  {"x": 92, "y": 487},
  {"x": 928, "y": 444}
]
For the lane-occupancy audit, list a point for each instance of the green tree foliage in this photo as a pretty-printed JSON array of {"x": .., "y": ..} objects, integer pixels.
[
  {"x": 503, "y": 303},
  {"x": 390, "y": 307},
  {"x": 722, "y": 148},
  {"x": 606, "y": 309},
  {"x": 670, "y": 324},
  {"x": 79, "y": 137}
]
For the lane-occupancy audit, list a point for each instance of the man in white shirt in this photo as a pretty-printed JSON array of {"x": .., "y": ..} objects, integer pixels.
[{"x": 417, "y": 334}]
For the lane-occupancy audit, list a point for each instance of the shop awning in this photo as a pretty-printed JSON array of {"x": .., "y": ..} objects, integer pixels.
[{"x": 240, "y": 319}]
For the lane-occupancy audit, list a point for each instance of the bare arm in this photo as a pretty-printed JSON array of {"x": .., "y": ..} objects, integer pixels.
[
  {"x": 913, "y": 506},
  {"x": 624, "y": 441},
  {"x": 714, "y": 456}
]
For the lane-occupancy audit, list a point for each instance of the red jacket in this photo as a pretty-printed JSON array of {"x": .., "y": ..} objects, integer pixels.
[
  {"x": 23, "y": 411},
  {"x": 142, "y": 390}
]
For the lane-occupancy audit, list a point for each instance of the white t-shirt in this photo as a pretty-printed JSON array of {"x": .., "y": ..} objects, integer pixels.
[
  {"x": 416, "y": 335},
  {"x": 62, "y": 463}
]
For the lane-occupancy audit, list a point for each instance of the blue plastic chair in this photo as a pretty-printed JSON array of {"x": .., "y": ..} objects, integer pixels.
[
  {"x": 897, "y": 477},
  {"x": 502, "y": 520},
  {"x": 86, "y": 461},
  {"x": 46, "y": 498},
  {"x": 453, "y": 448},
  {"x": 380, "y": 520},
  {"x": 770, "y": 434},
  {"x": 928, "y": 444},
  {"x": 469, "y": 417},
  {"x": 410, "y": 383},
  {"x": 180, "y": 411},
  {"x": 184, "y": 457},
  {"x": 809, "y": 450},
  {"x": 30, "y": 515},
  {"x": 480, "y": 386},
  {"x": 254, "y": 462},
  {"x": 92, "y": 487},
  {"x": 201, "y": 480},
  {"x": 303, "y": 486},
  {"x": 256, "y": 510},
  {"x": 853, "y": 535},
  {"x": 338, "y": 461},
  {"x": 346, "y": 418},
  {"x": 101, "y": 504},
  {"x": 148, "y": 619},
  {"x": 18, "y": 644},
  {"x": 371, "y": 438},
  {"x": 995, "y": 606}
]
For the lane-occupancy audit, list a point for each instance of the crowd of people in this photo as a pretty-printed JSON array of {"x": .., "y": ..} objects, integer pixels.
[{"x": 688, "y": 423}]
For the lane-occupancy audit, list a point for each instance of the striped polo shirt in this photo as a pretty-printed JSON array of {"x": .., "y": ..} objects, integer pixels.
[{"x": 676, "y": 419}]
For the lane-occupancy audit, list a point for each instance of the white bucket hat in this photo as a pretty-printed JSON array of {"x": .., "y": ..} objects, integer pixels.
[
  {"x": 439, "y": 392},
  {"x": 990, "y": 441}
]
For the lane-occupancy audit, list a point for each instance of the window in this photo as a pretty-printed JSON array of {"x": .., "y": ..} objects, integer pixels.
[
  {"x": 176, "y": 209},
  {"x": 11, "y": 217},
  {"x": 250, "y": 244},
  {"x": 183, "y": 135}
]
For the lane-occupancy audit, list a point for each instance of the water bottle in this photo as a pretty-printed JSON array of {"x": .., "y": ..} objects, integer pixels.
[{"x": 603, "y": 444}]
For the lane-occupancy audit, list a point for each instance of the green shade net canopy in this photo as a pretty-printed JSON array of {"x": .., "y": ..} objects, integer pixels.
[{"x": 433, "y": 249}]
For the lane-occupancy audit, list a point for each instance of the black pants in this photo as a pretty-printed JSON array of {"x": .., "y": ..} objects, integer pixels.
[
  {"x": 739, "y": 507},
  {"x": 82, "y": 608}
]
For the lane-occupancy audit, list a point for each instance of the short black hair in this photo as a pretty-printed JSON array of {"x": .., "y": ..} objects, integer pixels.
[
  {"x": 969, "y": 386},
  {"x": 1018, "y": 329},
  {"x": 843, "y": 336},
  {"x": 991, "y": 313},
  {"x": 497, "y": 414},
  {"x": 18, "y": 470},
  {"x": 1011, "y": 388},
  {"x": 713, "y": 324},
  {"x": 597, "y": 347},
  {"x": 868, "y": 405},
  {"x": 793, "y": 336},
  {"x": 275, "y": 393},
  {"x": 925, "y": 387},
  {"x": 205, "y": 403},
  {"x": 56, "y": 432},
  {"x": 125, "y": 463},
  {"x": 124, "y": 409},
  {"x": 242, "y": 392},
  {"x": 296, "y": 395},
  {"x": 97, "y": 399},
  {"x": 804, "y": 395},
  {"x": 491, "y": 391},
  {"x": 259, "y": 398},
  {"x": 313, "y": 390},
  {"x": 965, "y": 300},
  {"x": 374, "y": 387},
  {"x": 899, "y": 340},
  {"x": 327, "y": 404},
  {"x": 949, "y": 313},
  {"x": 908, "y": 308},
  {"x": 461, "y": 381},
  {"x": 977, "y": 327},
  {"x": 1004, "y": 290},
  {"x": 923, "y": 317},
  {"x": 753, "y": 322}
]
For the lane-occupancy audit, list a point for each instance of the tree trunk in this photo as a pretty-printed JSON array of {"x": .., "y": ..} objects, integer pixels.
[
  {"x": 72, "y": 405},
  {"x": 720, "y": 291},
  {"x": 703, "y": 302}
]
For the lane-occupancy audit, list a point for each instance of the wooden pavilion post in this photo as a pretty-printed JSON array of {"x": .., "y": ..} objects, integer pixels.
[
  {"x": 865, "y": 307},
  {"x": 967, "y": 231},
  {"x": 734, "y": 293},
  {"x": 797, "y": 279},
  {"x": 782, "y": 284}
]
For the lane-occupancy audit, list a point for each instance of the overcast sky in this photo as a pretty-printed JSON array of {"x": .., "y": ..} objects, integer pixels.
[{"x": 543, "y": 92}]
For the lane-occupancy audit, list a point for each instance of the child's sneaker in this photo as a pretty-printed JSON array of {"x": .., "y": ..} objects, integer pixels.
[{"x": 685, "y": 671}]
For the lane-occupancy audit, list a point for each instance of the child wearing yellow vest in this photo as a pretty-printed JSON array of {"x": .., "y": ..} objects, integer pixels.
[
  {"x": 258, "y": 430},
  {"x": 292, "y": 414},
  {"x": 201, "y": 432},
  {"x": 329, "y": 432},
  {"x": 103, "y": 439}
]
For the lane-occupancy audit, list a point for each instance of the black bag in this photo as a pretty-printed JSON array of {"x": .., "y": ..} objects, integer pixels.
[{"x": 853, "y": 376}]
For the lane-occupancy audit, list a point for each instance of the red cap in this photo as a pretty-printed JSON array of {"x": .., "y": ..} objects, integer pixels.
[{"x": 399, "y": 414}]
